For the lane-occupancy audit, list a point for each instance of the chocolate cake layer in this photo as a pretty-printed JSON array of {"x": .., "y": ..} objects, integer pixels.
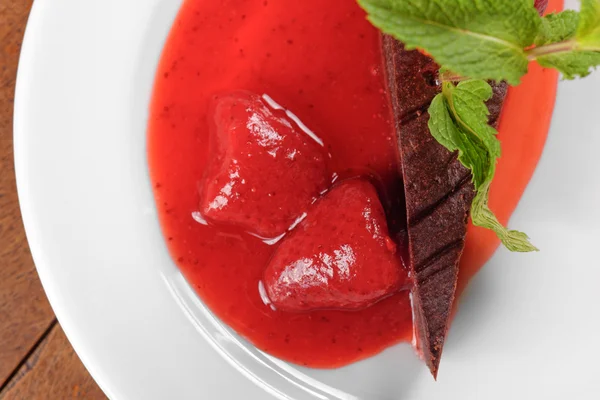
[{"x": 438, "y": 191}]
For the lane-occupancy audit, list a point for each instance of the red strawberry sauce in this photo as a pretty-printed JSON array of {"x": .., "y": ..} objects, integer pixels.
[{"x": 321, "y": 60}]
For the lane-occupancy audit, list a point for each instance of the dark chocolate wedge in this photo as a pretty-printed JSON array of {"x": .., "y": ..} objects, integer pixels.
[{"x": 438, "y": 191}]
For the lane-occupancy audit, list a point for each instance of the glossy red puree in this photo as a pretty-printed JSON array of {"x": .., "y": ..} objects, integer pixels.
[{"x": 322, "y": 60}]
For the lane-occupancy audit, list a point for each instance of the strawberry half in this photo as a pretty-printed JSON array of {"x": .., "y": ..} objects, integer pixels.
[
  {"x": 265, "y": 170},
  {"x": 340, "y": 256}
]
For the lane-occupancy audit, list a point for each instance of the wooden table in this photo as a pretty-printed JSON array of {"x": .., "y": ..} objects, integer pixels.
[{"x": 36, "y": 360}]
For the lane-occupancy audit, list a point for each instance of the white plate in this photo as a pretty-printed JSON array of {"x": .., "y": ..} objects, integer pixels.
[{"x": 528, "y": 327}]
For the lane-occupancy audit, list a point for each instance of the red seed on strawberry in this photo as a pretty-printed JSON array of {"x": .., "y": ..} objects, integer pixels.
[
  {"x": 340, "y": 256},
  {"x": 265, "y": 170}
]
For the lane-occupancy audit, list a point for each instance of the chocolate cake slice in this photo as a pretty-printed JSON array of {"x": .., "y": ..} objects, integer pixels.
[{"x": 438, "y": 191}]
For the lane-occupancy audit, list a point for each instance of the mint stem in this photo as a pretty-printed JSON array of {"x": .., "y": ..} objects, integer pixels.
[
  {"x": 554, "y": 48},
  {"x": 451, "y": 77}
]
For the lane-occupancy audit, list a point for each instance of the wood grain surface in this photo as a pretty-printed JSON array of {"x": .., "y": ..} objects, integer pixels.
[{"x": 36, "y": 360}]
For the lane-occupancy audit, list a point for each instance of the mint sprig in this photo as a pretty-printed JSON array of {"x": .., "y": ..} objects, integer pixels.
[
  {"x": 492, "y": 39},
  {"x": 459, "y": 122},
  {"x": 475, "y": 41}
]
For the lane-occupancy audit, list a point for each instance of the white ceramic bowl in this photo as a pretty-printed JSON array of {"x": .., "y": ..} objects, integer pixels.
[{"x": 527, "y": 328}]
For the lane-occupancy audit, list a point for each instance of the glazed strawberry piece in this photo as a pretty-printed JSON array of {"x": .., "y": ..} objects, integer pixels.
[
  {"x": 340, "y": 256},
  {"x": 265, "y": 169}
]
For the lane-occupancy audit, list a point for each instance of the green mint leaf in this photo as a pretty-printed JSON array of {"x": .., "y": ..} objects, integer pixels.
[
  {"x": 588, "y": 32},
  {"x": 481, "y": 39},
  {"x": 557, "y": 27},
  {"x": 459, "y": 121},
  {"x": 481, "y": 215},
  {"x": 472, "y": 154},
  {"x": 572, "y": 64}
]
